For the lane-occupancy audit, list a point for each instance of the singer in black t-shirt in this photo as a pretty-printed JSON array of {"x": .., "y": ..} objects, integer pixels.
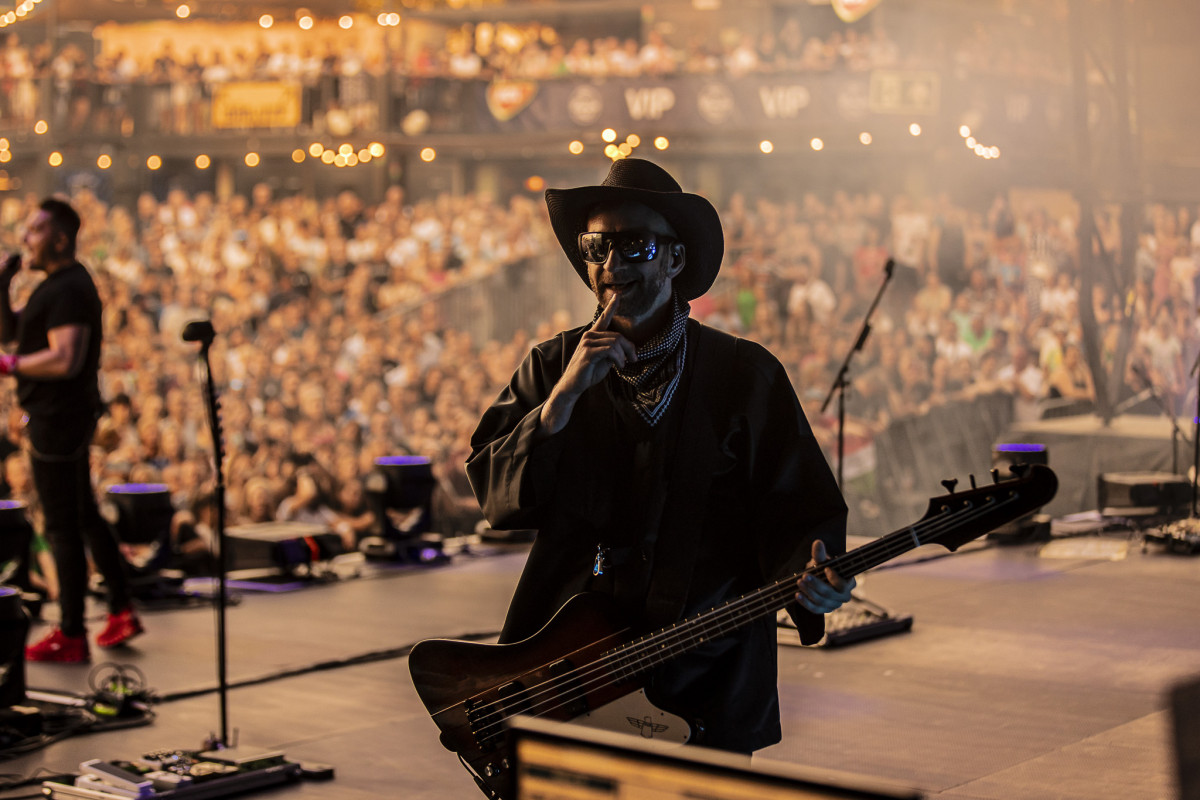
[{"x": 56, "y": 364}]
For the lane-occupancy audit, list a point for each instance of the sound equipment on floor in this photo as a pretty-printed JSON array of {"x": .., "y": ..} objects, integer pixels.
[
  {"x": 187, "y": 774},
  {"x": 400, "y": 492},
  {"x": 284, "y": 546},
  {"x": 857, "y": 620},
  {"x": 142, "y": 515},
  {"x": 1143, "y": 494},
  {"x": 558, "y": 760},
  {"x": 1181, "y": 537},
  {"x": 14, "y": 631}
]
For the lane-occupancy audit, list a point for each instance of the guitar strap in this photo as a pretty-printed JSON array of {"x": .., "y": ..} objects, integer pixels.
[{"x": 691, "y": 468}]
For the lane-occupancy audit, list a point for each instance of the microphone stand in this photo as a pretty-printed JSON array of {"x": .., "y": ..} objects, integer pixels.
[
  {"x": 214, "y": 421},
  {"x": 1176, "y": 433},
  {"x": 842, "y": 381}
]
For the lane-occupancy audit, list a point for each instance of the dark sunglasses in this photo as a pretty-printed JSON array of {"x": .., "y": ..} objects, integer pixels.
[{"x": 632, "y": 246}]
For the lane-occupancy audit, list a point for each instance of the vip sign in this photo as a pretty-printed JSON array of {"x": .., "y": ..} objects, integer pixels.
[
  {"x": 649, "y": 103},
  {"x": 783, "y": 102}
]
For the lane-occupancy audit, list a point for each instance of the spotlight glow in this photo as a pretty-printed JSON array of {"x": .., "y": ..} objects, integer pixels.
[
  {"x": 104, "y": 161},
  {"x": 252, "y": 159},
  {"x": 661, "y": 143},
  {"x": 346, "y": 22},
  {"x": 817, "y": 144},
  {"x": 40, "y": 126},
  {"x": 914, "y": 129},
  {"x": 55, "y": 159},
  {"x": 203, "y": 161},
  {"x": 428, "y": 154},
  {"x": 266, "y": 21},
  {"x": 575, "y": 147},
  {"x": 767, "y": 146},
  {"x": 865, "y": 138},
  {"x": 184, "y": 11},
  {"x": 608, "y": 135},
  {"x": 154, "y": 162},
  {"x": 305, "y": 23}
]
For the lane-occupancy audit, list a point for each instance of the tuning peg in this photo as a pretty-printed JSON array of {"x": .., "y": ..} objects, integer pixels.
[
  {"x": 1019, "y": 469},
  {"x": 950, "y": 483},
  {"x": 972, "y": 479},
  {"x": 995, "y": 475}
]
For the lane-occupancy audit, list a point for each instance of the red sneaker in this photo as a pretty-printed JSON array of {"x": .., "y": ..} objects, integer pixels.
[
  {"x": 57, "y": 646},
  {"x": 121, "y": 628}
]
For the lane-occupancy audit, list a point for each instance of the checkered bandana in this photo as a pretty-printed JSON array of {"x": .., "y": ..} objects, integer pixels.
[{"x": 654, "y": 377}]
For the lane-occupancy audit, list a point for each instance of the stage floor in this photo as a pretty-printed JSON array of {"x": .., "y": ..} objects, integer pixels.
[{"x": 1027, "y": 674}]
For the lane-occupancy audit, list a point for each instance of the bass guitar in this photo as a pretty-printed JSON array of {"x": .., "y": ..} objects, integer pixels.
[{"x": 587, "y": 661}]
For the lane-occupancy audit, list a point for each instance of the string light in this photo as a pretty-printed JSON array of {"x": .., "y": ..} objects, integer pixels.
[
  {"x": 104, "y": 161},
  {"x": 575, "y": 147},
  {"x": 203, "y": 161},
  {"x": 661, "y": 143},
  {"x": 766, "y": 146},
  {"x": 252, "y": 159},
  {"x": 346, "y": 22},
  {"x": 428, "y": 154},
  {"x": 608, "y": 135},
  {"x": 817, "y": 144},
  {"x": 154, "y": 162},
  {"x": 55, "y": 159},
  {"x": 266, "y": 20},
  {"x": 184, "y": 11}
]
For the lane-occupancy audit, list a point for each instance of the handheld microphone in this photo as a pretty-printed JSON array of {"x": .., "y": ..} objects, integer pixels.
[{"x": 200, "y": 330}]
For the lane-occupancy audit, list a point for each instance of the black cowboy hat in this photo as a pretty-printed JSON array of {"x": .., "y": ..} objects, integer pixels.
[{"x": 694, "y": 219}]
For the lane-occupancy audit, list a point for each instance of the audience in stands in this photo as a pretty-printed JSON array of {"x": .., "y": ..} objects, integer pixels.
[{"x": 332, "y": 354}]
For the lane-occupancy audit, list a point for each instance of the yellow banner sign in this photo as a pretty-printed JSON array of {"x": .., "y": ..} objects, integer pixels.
[{"x": 256, "y": 104}]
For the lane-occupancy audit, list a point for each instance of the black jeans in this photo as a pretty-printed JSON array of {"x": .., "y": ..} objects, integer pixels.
[{"x": 62, "y": 475}]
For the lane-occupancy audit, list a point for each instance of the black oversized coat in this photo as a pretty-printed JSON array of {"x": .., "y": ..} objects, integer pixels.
[{"x": 746, "y": 490}]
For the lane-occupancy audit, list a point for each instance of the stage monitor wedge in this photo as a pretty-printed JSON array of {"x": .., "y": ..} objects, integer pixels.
[{"x": 559, "y": 761}]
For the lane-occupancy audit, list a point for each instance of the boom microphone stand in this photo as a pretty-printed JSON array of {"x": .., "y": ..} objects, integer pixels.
[
  {"x": 202, "y": 331},
  {"x": 842, "y": 381}
]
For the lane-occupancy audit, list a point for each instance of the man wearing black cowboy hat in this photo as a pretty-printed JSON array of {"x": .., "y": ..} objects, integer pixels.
[{"x": 661, "y": 462}]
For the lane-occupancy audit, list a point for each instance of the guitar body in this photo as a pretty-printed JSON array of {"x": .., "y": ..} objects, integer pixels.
[{"x": 471, "y": 689}]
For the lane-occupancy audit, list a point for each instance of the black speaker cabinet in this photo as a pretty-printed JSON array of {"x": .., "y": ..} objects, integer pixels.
[{"x": 1143, "y": 494}]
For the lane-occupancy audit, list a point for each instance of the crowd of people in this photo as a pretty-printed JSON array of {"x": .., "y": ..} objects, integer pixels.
[
  {"x": 172, "y": 87},
  {"x": 331, "y": 352}
]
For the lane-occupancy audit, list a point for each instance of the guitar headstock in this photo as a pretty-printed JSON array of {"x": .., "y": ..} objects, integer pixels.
[{"x": 956, "y": 518}]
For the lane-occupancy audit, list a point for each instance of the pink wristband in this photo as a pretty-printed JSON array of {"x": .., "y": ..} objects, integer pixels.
[{"x": 8, "y": 363}]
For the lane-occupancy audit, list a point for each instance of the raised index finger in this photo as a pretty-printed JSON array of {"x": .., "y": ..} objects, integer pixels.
[{"x": 606, "y": 316}]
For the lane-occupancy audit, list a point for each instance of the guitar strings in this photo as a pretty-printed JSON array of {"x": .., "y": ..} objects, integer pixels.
[{"x": 641, "y": 654}]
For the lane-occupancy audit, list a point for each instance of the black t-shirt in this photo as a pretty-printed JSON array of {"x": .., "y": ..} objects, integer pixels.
[{"x": 66, "y": 297}]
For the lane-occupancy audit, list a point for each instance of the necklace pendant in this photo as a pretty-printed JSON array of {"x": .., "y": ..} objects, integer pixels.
[{"x": 601, "y": 562}]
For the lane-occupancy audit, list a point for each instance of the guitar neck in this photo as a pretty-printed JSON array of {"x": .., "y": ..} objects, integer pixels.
[{"x": 962, "y": 523}]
